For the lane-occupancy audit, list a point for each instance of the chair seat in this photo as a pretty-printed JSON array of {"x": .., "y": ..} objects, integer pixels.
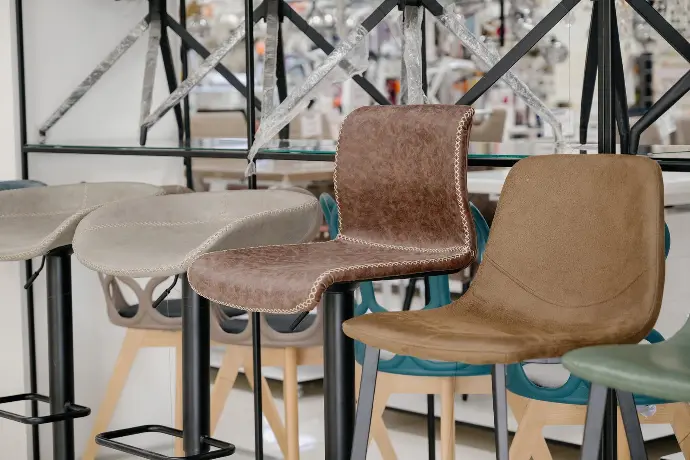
[
  {"x": 290, "y": 279},
  {"x": 35, "y": 220},
  {"x": 659, "y": 370},
  {"x": 474, "y": 330},
  {"x": 161, "y": 236}
]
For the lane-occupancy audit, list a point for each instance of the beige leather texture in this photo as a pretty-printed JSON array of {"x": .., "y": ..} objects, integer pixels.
[
  {"x": 161, "y": 236},
  {"x": 35, "y": 220},
  {"x": 575, "y": 258}
]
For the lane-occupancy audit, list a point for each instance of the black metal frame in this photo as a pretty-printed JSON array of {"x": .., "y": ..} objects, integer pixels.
[
  {"x": 596, "y": 444},
  {"x": 63, "y": 410},
  {"x": 339, "y": 372},
  {"x": 606, "y": 127},
  {"x": 196, "y": 392}
]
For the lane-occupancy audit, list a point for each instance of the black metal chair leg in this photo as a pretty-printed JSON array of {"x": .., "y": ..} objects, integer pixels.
[
  {"x": 169, "y": 66},
  {"x": 258, "y": 396},
  {"x": 609, "y": 438},
  {"x": 339, "y": 372},
  {"x": 590, "y": 76},
  {"x": 196, "y": 365},
  {"x": 365, "y": 403},
  {"x": 594, "y": 423},
  {"x": 409, "y": 294},
  {"x": 61, "y": 349},
  {"x": 498, "y": 381},
  {"x": 660, "y": 107},
  {"x": 431, "y": 426},
  {"x": 631, "y": 423}
]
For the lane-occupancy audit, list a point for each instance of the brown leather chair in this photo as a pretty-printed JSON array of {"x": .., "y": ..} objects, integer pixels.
[
  {"x": 575, "y": 258},
  {"x": 400, "y": 183}
]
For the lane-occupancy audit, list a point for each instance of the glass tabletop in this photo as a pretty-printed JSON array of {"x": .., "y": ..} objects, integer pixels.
[{"x": 325, "y": 149}]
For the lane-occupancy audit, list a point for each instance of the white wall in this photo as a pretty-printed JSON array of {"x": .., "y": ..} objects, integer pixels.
[
  {"x": 13, "y": 436},
  {"x": 64, "y": 41}
]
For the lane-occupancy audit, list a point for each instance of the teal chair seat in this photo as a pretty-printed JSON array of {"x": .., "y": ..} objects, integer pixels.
[
  {"x": 439, "y": 294},
  {"x": 15, "y": 184},
  {"x": 575, "y": 390}
]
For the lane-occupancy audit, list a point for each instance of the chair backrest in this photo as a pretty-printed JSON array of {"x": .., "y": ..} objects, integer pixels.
[
  {"x": 578, "y": 245},
  {"x": 575, "y": 390},
  {"x": 407, "y": 166}
]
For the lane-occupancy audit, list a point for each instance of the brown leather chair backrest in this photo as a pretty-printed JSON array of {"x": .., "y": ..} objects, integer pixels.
[
  {"x": 419, "y": 196},
  {"x": 577, "y": 246}
]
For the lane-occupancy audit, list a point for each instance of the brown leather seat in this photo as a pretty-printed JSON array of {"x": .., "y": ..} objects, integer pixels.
[
  {"x": 575, "y": 258},
  {"x": 400, "y": 183}
]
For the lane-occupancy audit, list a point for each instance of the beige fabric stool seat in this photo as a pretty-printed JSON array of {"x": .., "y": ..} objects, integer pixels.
[
  {"x": 162, "y": 236},
  {"x": 34, "y": 221}
]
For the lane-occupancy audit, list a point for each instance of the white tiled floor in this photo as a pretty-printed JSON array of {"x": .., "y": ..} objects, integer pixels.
[{"x": 407, "y": 432}]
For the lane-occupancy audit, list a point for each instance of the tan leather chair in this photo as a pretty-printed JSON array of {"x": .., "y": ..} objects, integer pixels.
[{"x": 575, "y": 258}]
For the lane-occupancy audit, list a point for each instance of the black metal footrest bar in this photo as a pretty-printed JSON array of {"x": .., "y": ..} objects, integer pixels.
[
  {"x": 72, "y": 411},
  {"x": 108, "y": 439}
]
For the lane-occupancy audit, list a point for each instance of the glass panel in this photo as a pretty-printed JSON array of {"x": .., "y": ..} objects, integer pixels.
[{"x": 506, "y": 150}]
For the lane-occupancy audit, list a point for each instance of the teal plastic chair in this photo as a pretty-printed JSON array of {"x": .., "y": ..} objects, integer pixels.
[
  {"x": 15, "y": 184},
  {"x": 439, "y": 294}
]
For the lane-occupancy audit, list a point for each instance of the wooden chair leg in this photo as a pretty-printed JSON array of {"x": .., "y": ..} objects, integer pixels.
[
  {"x": 269, "y": 406},
  {"x": 529, "y": 442},
  {"x": 290, "y": 398},
  {"x": 448, "y": 418},
  {"x": 179, "y": 451},
  {"x": 128, "y": 352},
  {"x": 622, "y": 440},
  {"x": 378, "y": 432},
  {"x": 225, "y": 380},
  {"x": 681, "y": 427}
]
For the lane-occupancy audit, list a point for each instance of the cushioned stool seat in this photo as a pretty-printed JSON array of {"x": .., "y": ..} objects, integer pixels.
[
  {"x": 35, "y": 220},
  {"x": 661, "y": 370},
  {"x": 161, "y": 236},
  {"x": 289, "y": 279}
]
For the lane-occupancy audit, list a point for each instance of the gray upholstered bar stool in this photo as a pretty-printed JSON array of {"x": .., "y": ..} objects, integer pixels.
[
  {"x": 161, "y": 237},
  {"x": 41, "y": 221},
  {"x": 281, "y": 346}
]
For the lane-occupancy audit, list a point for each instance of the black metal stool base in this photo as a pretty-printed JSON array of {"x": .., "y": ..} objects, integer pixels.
[
  {"x": 72, "y": 411},
  {"x": 108, "y": 439}
]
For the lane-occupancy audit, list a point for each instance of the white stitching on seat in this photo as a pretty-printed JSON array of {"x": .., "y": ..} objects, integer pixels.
[
  {"x": 199, "y": 250},
  {"x": 76, "y": 215}
]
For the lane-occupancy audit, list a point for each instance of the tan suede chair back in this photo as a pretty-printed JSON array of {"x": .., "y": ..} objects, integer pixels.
[
  {"x": 579, "y": 245},
  {"x": 419, "y": 195}
]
